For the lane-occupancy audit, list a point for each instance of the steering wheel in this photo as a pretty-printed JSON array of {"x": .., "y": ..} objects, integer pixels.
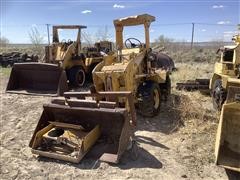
[
  {"x": 63, "y": 41},
  {"x": 69, "y": 41},
  {"x": 132, "y": 45}
]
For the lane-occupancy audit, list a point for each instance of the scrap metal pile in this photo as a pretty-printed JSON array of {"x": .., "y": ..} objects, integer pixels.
[
  {"x": 198, "y": 84},
  {"x": 8, "y": 59}
]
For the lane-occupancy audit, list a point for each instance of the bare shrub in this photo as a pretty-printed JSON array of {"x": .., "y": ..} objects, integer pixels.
[
  {"x": 88, "y": 38},
  {"x": 37, "y": 41},
  {"x": 191, "y": 111},
  {"x": 4, "y": 41},
  {"x": 103, "y": 34},
  {"x": 180, "y": 51}
]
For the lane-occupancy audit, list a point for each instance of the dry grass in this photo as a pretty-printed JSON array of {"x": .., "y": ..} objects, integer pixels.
[
  {"x": 194, "y": 55},
  {"x": 195, "y": 124},
  {"x": 191, "y": 71},
  {"x": 198, "y": 120},
  {"x": 5, "y": 71},
  {"x": 192, "y": 105},
  {"x": 24, "y": 48}
]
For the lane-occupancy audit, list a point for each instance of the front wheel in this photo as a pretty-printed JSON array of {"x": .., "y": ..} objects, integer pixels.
[
  {"x": 149, "y": 103},
  {"x": 77, "y": 76}
]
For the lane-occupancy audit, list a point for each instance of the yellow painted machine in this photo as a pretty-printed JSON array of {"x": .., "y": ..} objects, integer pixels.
[
  {"x": 226, "y": 73},
  {"x": 135, "y": 68},
  {"x": 227, "y": 149},
  {"x": 61, "y": 57},
  {"x": 76, "y": 61},
  {"x": 225, "y": 90}
]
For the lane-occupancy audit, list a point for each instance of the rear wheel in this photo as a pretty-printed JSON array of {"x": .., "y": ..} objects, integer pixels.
[
  {"x": 76, "y": 76},
  {"x": 218, "y": 95},
  {"x": 166, "y": 89},
  {"x": 149, "y": 99}
]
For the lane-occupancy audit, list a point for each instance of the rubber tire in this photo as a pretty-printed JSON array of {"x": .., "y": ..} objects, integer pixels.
[
  {"x": 146, "y": 103},
  {"x": 218, "y": 101},
  {"x": 134, "y": 151},
  {"x": 89, "y": 76},
  {"x": 72, "y": 76},
  {"x": 166, "y": 89}
]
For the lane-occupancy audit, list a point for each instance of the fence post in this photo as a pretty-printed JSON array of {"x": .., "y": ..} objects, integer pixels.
[
  {"x": 48, "y": 34},
  {"x": 193, "y": 24}
]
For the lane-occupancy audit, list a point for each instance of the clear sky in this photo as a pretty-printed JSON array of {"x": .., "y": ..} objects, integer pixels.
[{"x": 214, "y": 19}]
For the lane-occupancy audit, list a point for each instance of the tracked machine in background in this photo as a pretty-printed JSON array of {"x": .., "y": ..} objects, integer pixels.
[
  {"x": 226, "y": 74},
  {"x": 64, "y": 61},
  {"x": 135, "y": 68}
]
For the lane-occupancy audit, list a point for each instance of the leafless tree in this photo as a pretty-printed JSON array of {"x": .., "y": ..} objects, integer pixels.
[
  {"x": 37, "y": 41},
  {"x": 87, "y": 38},
  {"x": 4, "y": 41},
  {"x": 103, "y": 34}
]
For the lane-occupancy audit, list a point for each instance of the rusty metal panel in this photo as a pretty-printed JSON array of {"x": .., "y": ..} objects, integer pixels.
[
  {"x": 227, "y": 148},
  {"x": 116, "y": 123},
  {"x": 193, "y": 85}
]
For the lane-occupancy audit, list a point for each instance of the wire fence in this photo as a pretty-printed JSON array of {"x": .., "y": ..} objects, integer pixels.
[{"x": 179, "y": 32}]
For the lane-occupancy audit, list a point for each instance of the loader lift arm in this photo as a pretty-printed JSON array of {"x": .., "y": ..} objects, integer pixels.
[{"x": 113, "y": 96}]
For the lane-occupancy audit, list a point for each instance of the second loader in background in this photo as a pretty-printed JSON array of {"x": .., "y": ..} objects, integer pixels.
[{"x": 64, "y": 60}]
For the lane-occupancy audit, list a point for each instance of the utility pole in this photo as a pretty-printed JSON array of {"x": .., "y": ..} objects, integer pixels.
[
  {"x": 48, "y": 33},
  {"x": 193, "y": 24}
]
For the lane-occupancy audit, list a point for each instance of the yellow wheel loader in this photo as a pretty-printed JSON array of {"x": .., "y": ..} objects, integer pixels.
[
  {"x": 226, "y": 73},
  {"x": 61, "y": 57},
  {"x": 134, "y": 67}
]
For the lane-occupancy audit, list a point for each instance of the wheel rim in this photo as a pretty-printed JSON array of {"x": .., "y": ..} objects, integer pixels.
[
  {"x": 80, "y": 77},
  {"x": 156, "y": 97}
]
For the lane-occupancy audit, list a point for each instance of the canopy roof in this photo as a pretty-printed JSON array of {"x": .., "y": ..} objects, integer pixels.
[
  {"x": 69, "y": 27},
  {"x": 134, "y": 20},
  {"x": 230, "y": 47}
]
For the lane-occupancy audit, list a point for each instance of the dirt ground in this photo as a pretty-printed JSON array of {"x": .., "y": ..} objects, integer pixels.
[{"x": 170, "y": 146}]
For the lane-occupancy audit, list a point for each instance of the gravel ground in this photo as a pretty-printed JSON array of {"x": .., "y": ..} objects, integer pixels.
[{"x": 168, "y": 148}]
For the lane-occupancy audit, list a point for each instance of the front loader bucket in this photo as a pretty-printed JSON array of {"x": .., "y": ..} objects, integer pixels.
[
  {"x": 113, "y": 123},
  {"x": 227, "y": 148},
  {"x": 37, "y": 79}
]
